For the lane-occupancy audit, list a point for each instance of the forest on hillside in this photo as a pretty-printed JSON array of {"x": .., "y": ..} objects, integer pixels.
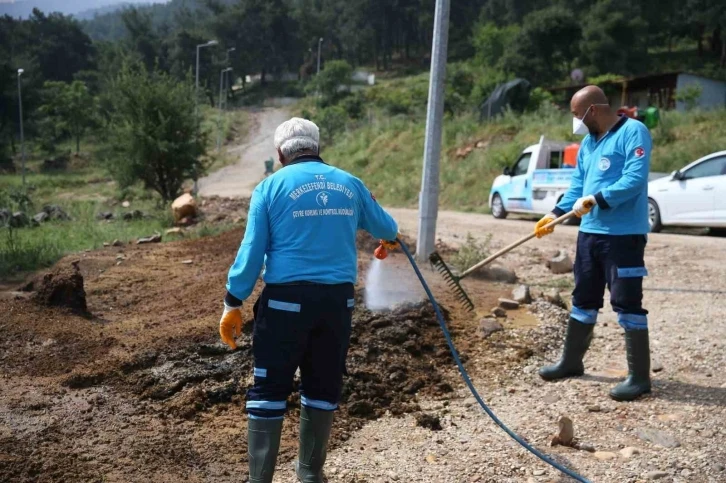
[{"x": 490, "y": 41}]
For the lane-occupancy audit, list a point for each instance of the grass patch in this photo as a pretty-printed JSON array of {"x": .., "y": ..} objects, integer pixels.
[
  {"x": 387, "y": 152},
  {"x": 471, "y": 252},
  {"x": 83, "y": 191}
]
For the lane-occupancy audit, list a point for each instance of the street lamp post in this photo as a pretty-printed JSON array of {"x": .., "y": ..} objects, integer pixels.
[
  {"x": 196, "y": 83},
  {"x": 196, "y": 93},
  {"x": 221, "y": 86},
  {"x": 22, "y": 134},
  {"x": 320, "y": 42},
  {"x": 226, "y": 79}
]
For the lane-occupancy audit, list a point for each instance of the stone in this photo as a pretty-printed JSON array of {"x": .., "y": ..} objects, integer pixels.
[
  {"x": 117, "y": 243},
  {"x": 657, "y": 366},
  {"x": 133, "y": 215},
  {"x": 431, "y": 458},
  {"x": 126, "y": 204},
  {"x": 19, "y": 220},
  {"x": 149, "y": 239},
  {"x": 56, "y": 213},
  {"x": 497, "y": 274},
  {"x": 655, "y": 475},
  {"x": 538, "y": 472},
  {"x": 560, "y": 263},
  {"x": 488, "y": 326},
  {"x": 106, "y": 215},
  {"x": 187, "y": 262},
  {"x": 566, "y": 431},
  {"x": 522, "y": 295},
  {"x": 5, "y": 216},
  {"x": 604, "y": 455},
  {"x": 660, "y": 438},
  {"x": 41, "y": 217},
  {"x": 499, "y": 312},
  {"x": 174, "y": 231},
  {"x": 507, "y": 304},
  {"x": 554, "y": 298},
  {"x": 629, "y": 452},
  {"x": 184, "y": 207},
  {"x": 594, "y": 409}
]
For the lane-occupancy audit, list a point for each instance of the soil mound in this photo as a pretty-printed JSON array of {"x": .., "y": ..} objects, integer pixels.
[{"x": 62, "y": 287}]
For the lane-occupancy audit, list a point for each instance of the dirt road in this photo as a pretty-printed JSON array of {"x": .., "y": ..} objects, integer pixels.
[{"x": 239, "y": 179}]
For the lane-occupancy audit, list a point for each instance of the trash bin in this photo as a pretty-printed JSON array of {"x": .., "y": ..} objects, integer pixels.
[{"x": 652, "y": 116}]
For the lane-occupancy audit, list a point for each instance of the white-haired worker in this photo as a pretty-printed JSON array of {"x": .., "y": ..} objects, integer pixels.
[{"x": 302, "y": 227}]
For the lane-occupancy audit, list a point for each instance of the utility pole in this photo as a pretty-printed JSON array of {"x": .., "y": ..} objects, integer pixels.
[
  {"x": 222, "y": 74},
  {"x": 22, "y": 134},
  {"x": 196, "y": 96},
  {"x": 320, "y": 42},
  {"x": 429, "y": 195},
  {"x": 196, "y": 82},
  {"x": 226, "y": 79}
]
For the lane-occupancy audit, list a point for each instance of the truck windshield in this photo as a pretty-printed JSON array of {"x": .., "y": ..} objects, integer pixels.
[{"x": 522, "y": 165}]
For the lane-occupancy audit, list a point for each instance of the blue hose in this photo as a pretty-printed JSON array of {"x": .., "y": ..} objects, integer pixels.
[{"x": 468, "y": 382}]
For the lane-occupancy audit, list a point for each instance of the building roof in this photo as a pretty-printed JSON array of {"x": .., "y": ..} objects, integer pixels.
[{"x": 629, "y": 80}]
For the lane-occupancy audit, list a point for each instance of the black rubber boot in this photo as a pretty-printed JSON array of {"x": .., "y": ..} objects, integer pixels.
[
  {"x": 577, "y": 341},
  {"x": 638, "y": 381},
  {"x": 263, "y": 444},
  {"x": 315, "y": 428}
]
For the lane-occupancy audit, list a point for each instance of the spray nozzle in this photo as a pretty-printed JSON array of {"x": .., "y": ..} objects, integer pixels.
[{"x": 384, "y": 246}]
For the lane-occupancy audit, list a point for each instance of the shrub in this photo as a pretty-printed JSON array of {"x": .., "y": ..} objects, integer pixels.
[{"x": 157, "y": 138}]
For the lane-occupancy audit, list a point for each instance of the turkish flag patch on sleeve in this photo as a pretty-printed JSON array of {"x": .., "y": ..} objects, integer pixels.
[{"x": 639, "y": 152}]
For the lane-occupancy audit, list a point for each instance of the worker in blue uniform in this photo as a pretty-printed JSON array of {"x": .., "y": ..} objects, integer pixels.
[
  {"x": 609, "y": 191},
  {"x": 302, "y": 227}
]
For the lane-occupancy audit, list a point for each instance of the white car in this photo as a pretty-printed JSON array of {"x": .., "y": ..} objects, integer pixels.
[{"x": 693, "y": 196}]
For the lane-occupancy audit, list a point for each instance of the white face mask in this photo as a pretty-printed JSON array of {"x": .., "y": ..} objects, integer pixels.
[{"x": 579, "y": 126}]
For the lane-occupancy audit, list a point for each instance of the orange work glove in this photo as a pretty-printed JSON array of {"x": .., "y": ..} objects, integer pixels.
[
  {"x": 539, "y": 229},
  {"x": 230, "y": 325},
  {"x": 391, "y": 244}
]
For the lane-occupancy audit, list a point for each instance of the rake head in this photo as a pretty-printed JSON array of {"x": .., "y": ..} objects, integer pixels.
[{"x": 451, "y": 280}]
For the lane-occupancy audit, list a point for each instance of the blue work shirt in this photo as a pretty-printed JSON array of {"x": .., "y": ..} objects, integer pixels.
[
  {"x": 614, "y": 170},
  {"x": 302, "y": 226}
]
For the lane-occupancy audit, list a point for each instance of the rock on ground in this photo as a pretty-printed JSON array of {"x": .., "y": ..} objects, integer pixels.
[
  {"x": 560, "y": 263},
  {"x": 184, "y": 207}
]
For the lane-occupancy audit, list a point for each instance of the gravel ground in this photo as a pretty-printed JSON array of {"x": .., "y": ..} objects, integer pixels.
[{"x": 676, "y": 434}]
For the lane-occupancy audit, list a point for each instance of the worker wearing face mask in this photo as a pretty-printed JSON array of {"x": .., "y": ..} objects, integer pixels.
[{"x": 609, "y": 191}]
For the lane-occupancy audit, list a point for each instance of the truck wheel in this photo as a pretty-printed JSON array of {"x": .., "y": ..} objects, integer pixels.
[
  {"x": 498, "y": 210},
  {"x": 654, "y": 216}
]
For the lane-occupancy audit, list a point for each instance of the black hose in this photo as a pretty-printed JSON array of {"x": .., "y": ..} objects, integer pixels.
[{"x": 468, "y": 382}]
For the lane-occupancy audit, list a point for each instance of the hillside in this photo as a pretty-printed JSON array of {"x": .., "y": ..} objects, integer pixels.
[
  {"x": 24, "y": 8},
  {"x": 385, "y": 144}
]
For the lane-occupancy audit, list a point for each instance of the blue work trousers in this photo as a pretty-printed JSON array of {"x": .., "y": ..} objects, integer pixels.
[
  {"x": 300, "y": 325},
  {"x": 615, "y": 261}
]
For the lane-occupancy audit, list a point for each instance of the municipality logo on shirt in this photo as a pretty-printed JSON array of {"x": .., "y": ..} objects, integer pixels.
[
  {"x": 604, "y": 164},
  {"x": 322, "y": 198}
]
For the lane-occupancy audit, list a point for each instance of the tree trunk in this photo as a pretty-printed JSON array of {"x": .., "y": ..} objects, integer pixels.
[
  {"x": 78, "y": 144},
  {"x": 716, "y": 40}
]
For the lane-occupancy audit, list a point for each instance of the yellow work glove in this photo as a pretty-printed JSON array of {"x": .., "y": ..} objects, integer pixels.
[
  {"x": 230, "y": 325},
  {"x": 539, "y": 229}
]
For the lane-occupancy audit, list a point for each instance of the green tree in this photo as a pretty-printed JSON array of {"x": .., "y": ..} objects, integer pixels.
[
  {"x": 491, "y": 42},
  {"x": 613, "y": 39},
  {"x": 545, "y": 47},
  {"x": 335, "y": 74},
  {"x": 155, "y": 136},
  {"x": 70, "y": 107}
]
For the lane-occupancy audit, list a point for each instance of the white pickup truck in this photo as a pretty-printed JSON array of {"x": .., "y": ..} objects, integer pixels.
[
  {"x": 535, "y": 183},
  {"x": 537, "y": 180}
]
